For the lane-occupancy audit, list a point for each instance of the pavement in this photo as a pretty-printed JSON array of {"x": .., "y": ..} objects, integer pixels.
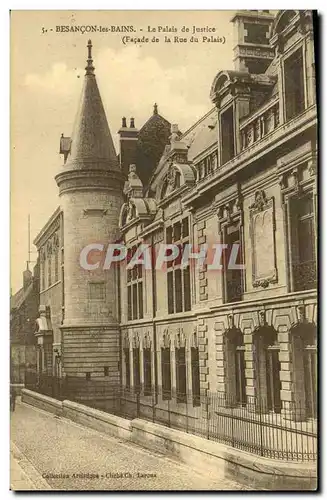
[{"x": 54, "y": 453}]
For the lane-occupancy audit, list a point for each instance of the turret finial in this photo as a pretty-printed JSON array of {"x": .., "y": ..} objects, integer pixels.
[
  {"x": 89, "y": 67},
  {"x": 155, "y": 109}
]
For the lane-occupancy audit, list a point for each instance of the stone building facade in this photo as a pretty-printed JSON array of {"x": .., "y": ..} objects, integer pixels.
[{"x": 244, "y": 174}]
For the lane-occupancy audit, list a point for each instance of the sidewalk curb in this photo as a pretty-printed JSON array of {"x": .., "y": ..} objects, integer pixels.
[{"x": 31, "y": 473}]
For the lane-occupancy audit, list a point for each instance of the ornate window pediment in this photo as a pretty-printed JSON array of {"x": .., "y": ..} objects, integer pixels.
[{"x": 171, "y": 182}]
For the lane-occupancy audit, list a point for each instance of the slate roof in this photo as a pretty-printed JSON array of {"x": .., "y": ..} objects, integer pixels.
[{"x": 17, "y": 300}]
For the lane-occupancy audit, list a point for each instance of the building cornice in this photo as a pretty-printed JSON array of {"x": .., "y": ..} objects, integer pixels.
[
  {"x": 257, "y": 150},
  {"x": 48, "y": 228}
]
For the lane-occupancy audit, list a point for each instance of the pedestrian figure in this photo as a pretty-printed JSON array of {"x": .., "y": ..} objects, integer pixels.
[{"x": 12, "y": 398}]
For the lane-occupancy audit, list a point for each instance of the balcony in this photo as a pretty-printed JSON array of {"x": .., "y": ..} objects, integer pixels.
[
  {"x": 304, "y": 276},
  {"x": 259, "y": 124}
]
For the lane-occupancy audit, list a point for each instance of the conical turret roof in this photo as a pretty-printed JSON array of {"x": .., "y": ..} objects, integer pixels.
[{"x": 92, "y": 144}]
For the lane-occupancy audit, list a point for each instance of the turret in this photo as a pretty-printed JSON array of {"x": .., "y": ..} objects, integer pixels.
[{"x": 90, "y": 188}]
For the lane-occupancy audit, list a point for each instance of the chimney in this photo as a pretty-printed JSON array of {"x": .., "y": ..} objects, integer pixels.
[
  {"x": 128, "y": 145},
  {"x": 27, "y": 278},
  {"x": 252, "y": 51}
]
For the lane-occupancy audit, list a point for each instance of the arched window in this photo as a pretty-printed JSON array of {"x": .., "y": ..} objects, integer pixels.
[
  {"x": 235, "y": 367},
  {"x": 267, "y": 369},
  {"x": 304, "y": 349}
]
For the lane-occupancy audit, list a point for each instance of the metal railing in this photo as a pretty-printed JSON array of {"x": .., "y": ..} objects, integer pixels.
[
  {"x": 305, "y": 275},
  {"x": 289, "y": 435}
]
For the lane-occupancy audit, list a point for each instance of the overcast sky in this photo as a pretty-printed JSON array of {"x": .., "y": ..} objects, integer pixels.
[{"x": 47, "y": 71}]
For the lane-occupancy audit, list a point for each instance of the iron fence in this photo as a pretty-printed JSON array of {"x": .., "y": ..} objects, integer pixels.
[{"x": 289, "y": 435}]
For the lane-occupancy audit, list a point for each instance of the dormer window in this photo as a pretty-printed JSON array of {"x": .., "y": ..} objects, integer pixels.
[
  {"x": 294, "y": 84},
  {"x": 227, "y": 135}
]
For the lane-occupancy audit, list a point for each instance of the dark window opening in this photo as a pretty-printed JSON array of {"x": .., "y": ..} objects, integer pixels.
[
  {"x": 147, "y": 371},
  {"x": 294, "y": 84},
  {"x": 227, "y": 135},
  {"x": 166, "y": 373},
  {"x": 273, "y": 381},
  {"x": 195, "y": 367},
  {"x": 136, "y": 368},
  {"x": 88, "y": 375},
  {"x": 240, "y": 375},
  {"x": 134, "y": 288},
  {"x": 180, "y": 375},
  {"x": 49, "y": 272},
  {"x": 233, "y": 277},
  {"x": 178, "y": 278},
  {"x": 106, "y": 371},
  {"x": 303, "y": 243},
  {"x": 268, "y": 369},
  {"x": 256, "y": 33},
  {"x": 56, "y": 277},
  {"x": 127, "y": 368}
]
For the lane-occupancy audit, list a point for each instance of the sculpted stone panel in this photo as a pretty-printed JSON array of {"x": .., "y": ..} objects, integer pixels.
[{"x": 262, "y": 230}]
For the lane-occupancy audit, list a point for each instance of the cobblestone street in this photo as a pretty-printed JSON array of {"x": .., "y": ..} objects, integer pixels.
[{"x": 44, "y": 446}]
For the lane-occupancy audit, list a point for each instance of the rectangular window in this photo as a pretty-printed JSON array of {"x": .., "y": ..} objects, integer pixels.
[
  {"x": 106, "y": 371},
  {"x": 165, "y": 373},
  {"x": 127, "y": 368},
  {"x": 294, "y": 84},
  {"x": 134, "y": 288},
  {"x": 178, "y": 291},
  {"x": 227, "y": 135},
  {"x": 233, "y": 277},
  {"x": 42, "y": 275},
  {"x": 129, "y": 302},
  {"x": 134, "y": 302},
  {"x": 49, "y": 271},
  {"x": 97, "y": 291},
  {"x": 56, "y": 271},
  {"x": 180, "y": 375},
  {"x": 140, "y": 299},
  {"x": 136, "y": 368},
  {"x": 240, "y": 375},
  {"x": 88, "y": 375},
  {"x": 178, "y": 278},
  {"x": 170, "y": 292},
  {"x": 147, "y": 371},
  {"x": 195, "y": 367},
  {"x": 187, "y": 289},
  {"x": 303, "y": 243}
]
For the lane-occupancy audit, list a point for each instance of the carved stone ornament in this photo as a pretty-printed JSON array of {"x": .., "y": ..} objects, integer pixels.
[
  {"x": 194, "y": 338},
  {"x": 49, "y": 248},
  {"x": 262, "y": 318},
  {"x": 230, "y": 319},
  {"x": 301, "y": 313},
  {"x": 136, "y": 340},
  {"x": 260, "y": 201},
  {"x": 171, "y": 179},
  {"x": 55, "y": 241},
  {"x": 147, "y": 342},
  {"x": 230, "y": 211},
  {"x": 180, "y": 340},
  {"x": 262, "y": 232},
  {"x": 166, "y": 339},
  {"x": 131, "y": 212}
]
